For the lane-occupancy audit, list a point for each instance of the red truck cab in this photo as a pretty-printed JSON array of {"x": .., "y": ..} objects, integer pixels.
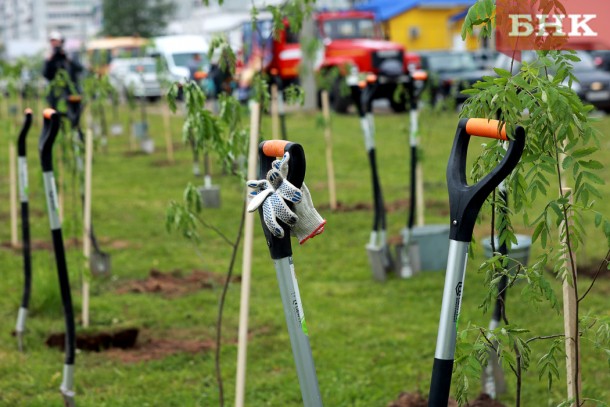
[{"x": 351, "y": 41}]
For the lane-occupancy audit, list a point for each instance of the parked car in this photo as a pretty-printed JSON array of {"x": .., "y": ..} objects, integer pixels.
[
  {"x": 135, "y": 77},
  {"x": 601, "y": 59},
  {"x": 180, "y": 54},
  {"x": 593, "y": 84},
  {"x": 451, "y": 72}
]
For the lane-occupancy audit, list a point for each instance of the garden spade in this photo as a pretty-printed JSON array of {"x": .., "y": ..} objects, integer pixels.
[
  {"x": 210, "y": 194},
  {"x": 377, "y": 249},
  {"x": 407, "y": 252},
  {"x": 281, "y": 253},
  {"x": 465, "y": 202},
  {"x": 25, "y": 227},
  {"x": 49, "y": 133},
  {"x": 492, "y": 378},
  {"x": 99, "y": 261}
]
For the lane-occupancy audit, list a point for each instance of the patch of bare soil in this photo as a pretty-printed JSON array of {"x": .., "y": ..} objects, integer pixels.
[
  {"x": 417, "y": 400},
  {"x": 591, "y": 270},
  {"x": 154, "y": 349},
  {"x": 97, "y": 342},
  {"x": 174, "y": 284},
  {"x": 440, "y": 208}
]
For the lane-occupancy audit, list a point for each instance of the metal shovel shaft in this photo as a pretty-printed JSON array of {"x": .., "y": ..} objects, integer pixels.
[
  {"x": 447, "y": 330},
  {"x": 297, "y": 329}
]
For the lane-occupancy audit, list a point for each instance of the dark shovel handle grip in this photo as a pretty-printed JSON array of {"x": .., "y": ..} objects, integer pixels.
[
  {"x": 50, "y": 128},
  {"x": 465, "y": 200},
  {"x": 280, "y": 248},
  {"x": 27, "y": 123}
]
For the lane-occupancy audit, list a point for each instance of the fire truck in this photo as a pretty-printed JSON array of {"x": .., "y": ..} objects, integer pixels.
[{"x": 351, "y": 42}]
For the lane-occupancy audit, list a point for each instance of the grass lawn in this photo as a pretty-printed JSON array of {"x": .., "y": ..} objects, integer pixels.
[{"x": 370, "y": 340}]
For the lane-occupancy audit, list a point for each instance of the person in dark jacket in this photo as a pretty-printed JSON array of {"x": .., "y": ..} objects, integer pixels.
[{"x": 56, "y": 61}]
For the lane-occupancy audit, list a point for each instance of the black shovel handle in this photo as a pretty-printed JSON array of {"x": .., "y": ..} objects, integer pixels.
[
  {"x": 27, "y": 123},
  {"x": 465, "y": 200},
  {"x": 50, "y": 128},
  {"x": 268, "y": 152}
]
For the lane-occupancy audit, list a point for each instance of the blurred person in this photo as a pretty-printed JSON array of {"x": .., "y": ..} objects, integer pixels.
[{"x": 56, "y": 60}]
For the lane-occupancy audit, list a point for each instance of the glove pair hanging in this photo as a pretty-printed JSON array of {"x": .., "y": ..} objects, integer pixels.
[{"x": 273, "y": 192}]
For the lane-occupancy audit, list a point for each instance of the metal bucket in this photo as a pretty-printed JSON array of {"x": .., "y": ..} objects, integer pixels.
[
  {"x": 519, "y": 252},
  {"x": 140, "y": 130},
  {"x": 210, "y": 196},
  {"x": 433, "y": 241}
]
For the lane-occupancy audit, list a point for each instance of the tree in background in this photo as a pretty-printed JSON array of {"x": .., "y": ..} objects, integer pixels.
[{"x": 146, "y": 18}]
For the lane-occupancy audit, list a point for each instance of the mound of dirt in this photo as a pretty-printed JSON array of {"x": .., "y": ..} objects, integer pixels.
[
  {"x": 417, "y": 400},
  {"x": 174, "y": 284},
  {"x": 97, "y": 342}
]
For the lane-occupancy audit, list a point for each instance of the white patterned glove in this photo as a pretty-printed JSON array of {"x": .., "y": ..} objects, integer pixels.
[
  {"x": 271, "y": 193},
  {"x": 309, "y": 222}
]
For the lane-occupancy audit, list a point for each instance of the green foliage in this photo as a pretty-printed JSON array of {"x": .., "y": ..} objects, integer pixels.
[
  {"x": 560, "y": 147},
  {"x": 146, "y": 18}
]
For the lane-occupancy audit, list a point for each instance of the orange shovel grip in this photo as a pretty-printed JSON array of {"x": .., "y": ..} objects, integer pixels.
[
  {"x": 274, "y": 148},
  {"x": 75, "y": 98},
  {"x": 27, "y": 111},
  {"x": 48, "y": 112},
  {"x": 420, "y": 75},
  {"x": 486, "y": 128}
]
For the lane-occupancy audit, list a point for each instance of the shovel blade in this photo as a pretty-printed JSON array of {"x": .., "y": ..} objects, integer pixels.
[
  {"x": 99, "y": 264},
  {"x": 492, "y": 379},
  {"x": 378, "y": 261},
  {"x": 407, "y": 260}
]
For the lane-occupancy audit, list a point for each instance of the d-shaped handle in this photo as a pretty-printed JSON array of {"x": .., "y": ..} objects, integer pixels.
[
  {"x": 280, "y": 248},
  {"x": 50, "y": 128},
  {"x": 465, "y": 200},
  {"x": 27, "y": 123}
]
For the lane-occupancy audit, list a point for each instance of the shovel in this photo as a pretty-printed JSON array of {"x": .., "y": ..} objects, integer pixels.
[
  {"x": 465, "y": 202},
  {"x": 281, "y": 253},
  {"x": 25, "y": 227},
  {"x": 407, "y": 253},
  {"x": 492, "y": 379},
  {"x": 49, "y": 133},
  {"x": 377, "y": 249},
  {"x": 210, "y": 194},
  {"x": 99, "y": 261}
]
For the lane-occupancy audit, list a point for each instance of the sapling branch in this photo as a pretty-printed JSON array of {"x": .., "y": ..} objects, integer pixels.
[
  {"x": 215, "y": 229},
  {"x": 222, "y": 302},
  {"x": 604, "y": 263}
]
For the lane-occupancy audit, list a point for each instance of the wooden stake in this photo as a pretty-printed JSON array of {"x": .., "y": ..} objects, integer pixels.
[
  {"x": 168, "y": 135},
  {"x": 330, "y": 169},
  {"x": 12, "y": 160},
  {"x": 570, "y": 320},
  {"x": 419, "y": 200},
  {"x": 275, "y": 114},
  {"x": 87, "y": 222},
  {"x": 242, "y": 344}
]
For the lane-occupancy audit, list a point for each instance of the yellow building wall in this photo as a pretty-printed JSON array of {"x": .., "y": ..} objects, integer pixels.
[{"x": 436, "y": 32}]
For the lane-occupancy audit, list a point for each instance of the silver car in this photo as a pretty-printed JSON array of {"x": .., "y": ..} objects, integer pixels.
[{"x": 136, "y": 77}]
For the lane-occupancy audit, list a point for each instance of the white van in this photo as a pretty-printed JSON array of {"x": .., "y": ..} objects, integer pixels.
[{"x": 177, "y": 54}]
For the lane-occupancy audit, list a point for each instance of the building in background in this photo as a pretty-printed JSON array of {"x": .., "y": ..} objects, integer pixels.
[
  {"x": 424, "y": 24},
  {"x": 26, "y": 24}
]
